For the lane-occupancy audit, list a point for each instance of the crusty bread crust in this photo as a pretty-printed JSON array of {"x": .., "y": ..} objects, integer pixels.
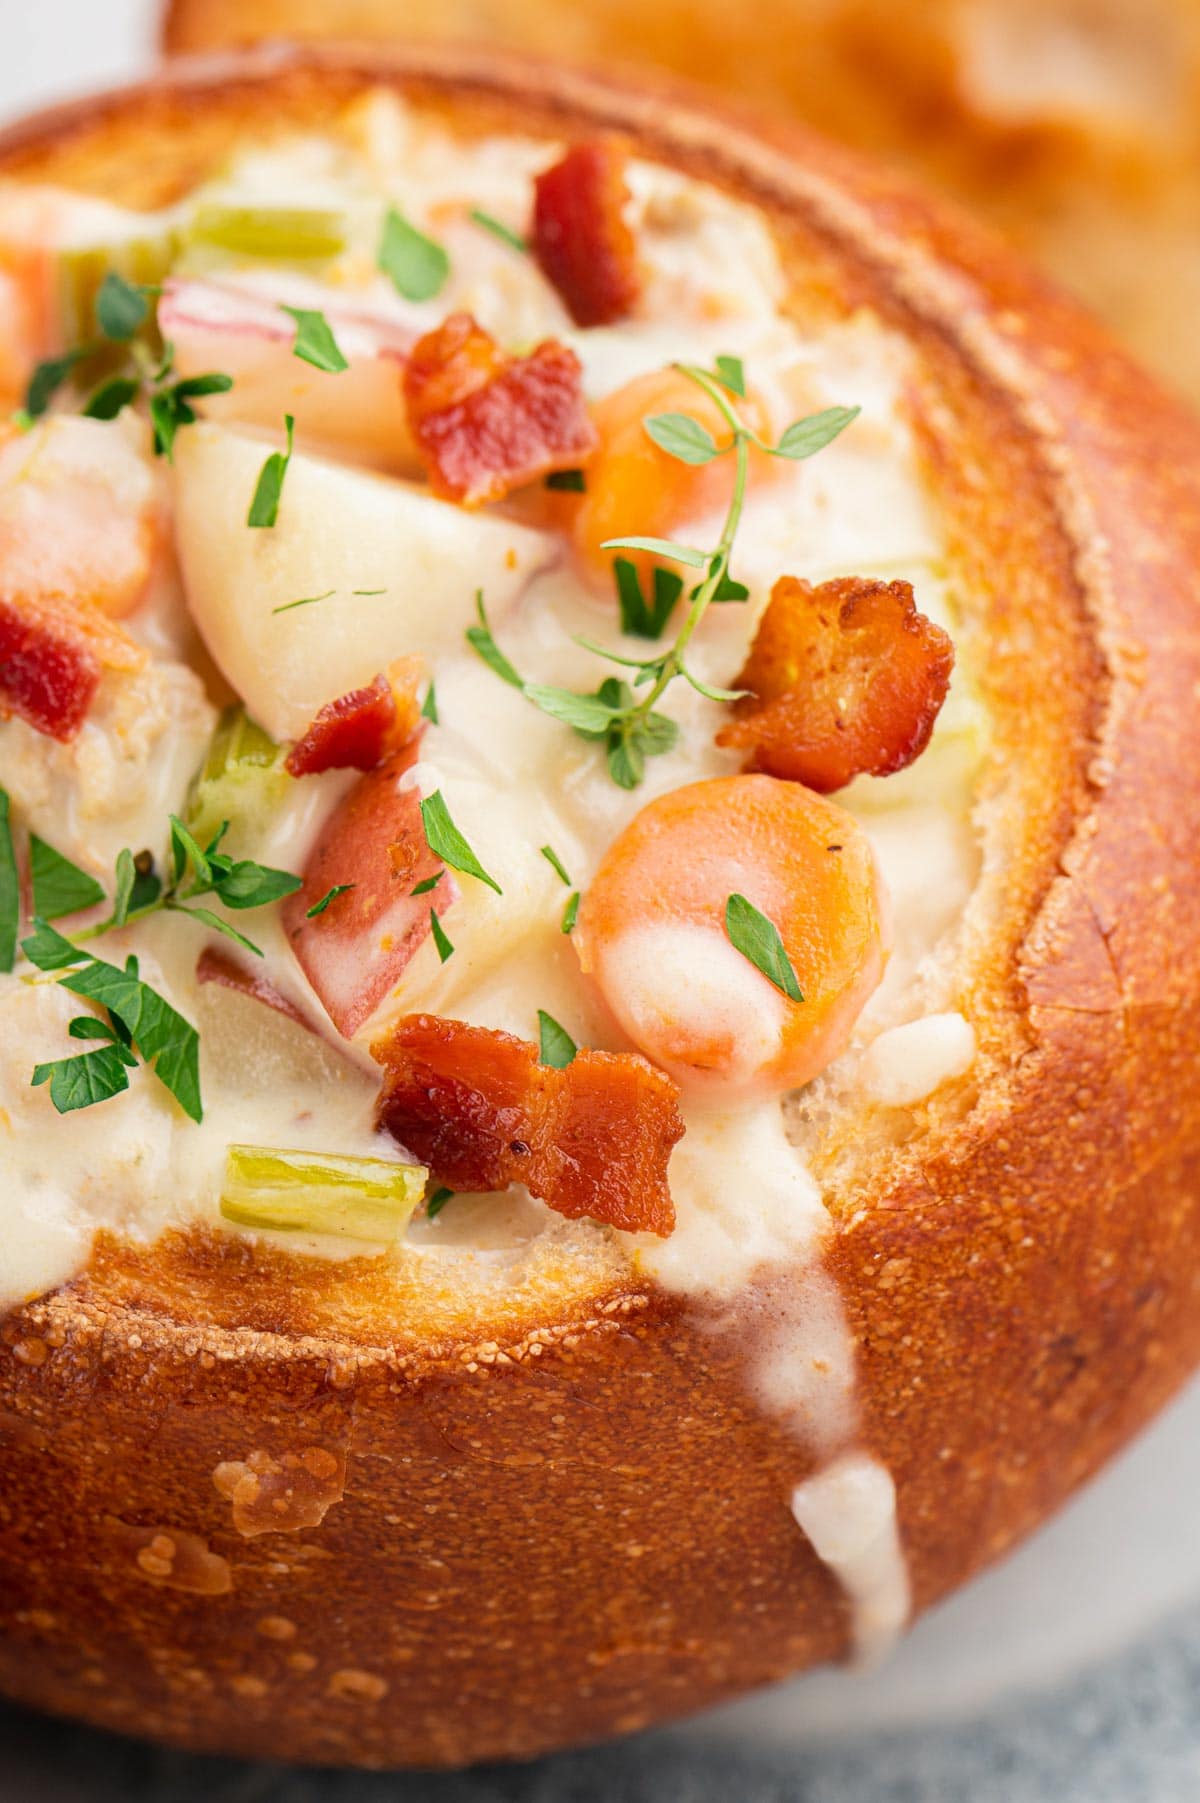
[{"x": 570, "y": 1520}]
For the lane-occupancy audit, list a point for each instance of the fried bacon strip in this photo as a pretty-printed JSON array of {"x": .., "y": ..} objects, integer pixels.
[
  {"x": 52, "y": 656},
  {"x": 477, "y": 1107},
  {"x": 358, "y": 730},
  {"x": 486, "y": 423},
  {"x": 580, "y": 235},
  {"x": 846, "y": 679}
]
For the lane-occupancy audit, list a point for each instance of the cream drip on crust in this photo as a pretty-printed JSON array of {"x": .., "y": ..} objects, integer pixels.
[{"x": 361, "y": 562}]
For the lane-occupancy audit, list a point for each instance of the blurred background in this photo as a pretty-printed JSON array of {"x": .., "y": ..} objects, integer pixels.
[
  {"x": 1072, "y": 1673},
  {"x": 1073, "y": 124}
]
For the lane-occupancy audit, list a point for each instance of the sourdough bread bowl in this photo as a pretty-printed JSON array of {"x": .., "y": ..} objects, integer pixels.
[{"x": 532, "y": 1483}]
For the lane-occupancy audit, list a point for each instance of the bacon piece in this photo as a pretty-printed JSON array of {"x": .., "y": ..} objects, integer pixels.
[
  {"x": 580, "y": 236},
  {"x": 476, "y": 1106},
  {"x": 358, "y": 730},
  {"x": 218, "y": 966},
  {"x": 52, "y": 656},
  {"x": 485, "y": 422},
  {"x": 847, "y": 679},
  {"x": 357, "y": 948}
]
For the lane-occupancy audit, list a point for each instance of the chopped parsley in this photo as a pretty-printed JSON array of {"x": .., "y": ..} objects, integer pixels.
[
  {"x": 757, "y": 938},
  {"x": 315, "y": 342},
  {"x": 447, "y": 843},
  {"x": 556, "y": 1048},
  {"x": 417, "y": 265},
  {"x": 264, "y": 507}
]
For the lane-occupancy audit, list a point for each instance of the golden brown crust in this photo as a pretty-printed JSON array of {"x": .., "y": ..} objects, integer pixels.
[
  {"x": 580, "y": 1525},
  {"x": 1072, "y": 124}
]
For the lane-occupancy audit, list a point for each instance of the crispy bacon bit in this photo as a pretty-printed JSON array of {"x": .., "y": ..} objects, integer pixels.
[
  {"x": 358, "y": 730},
  {"x": 52, "y": 656},
  {"x": 580, "y": 235},
  {"x": 356, "y": 949},
  {"x": 219, "y": 966},
  {"x": 477, "y": 1107},
  {"x": 484, "y": 422},
  {"x": 847, "y": 679}
]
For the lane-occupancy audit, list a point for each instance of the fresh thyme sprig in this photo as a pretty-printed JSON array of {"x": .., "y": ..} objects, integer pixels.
[{"x": 629, "y": 723}]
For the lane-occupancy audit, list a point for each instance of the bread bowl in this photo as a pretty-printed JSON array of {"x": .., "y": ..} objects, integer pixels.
[
  {"x": 1070, "y": 124},
  {"x": 548, "y": 1482}
]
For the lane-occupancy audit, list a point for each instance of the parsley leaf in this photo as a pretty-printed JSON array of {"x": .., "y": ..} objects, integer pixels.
[
  {"x": 319, "y": 907},
  {"x": 435, "y": 1203},
  {"x": 304, "y": 601},
  {"x": 480, "y": 639},
  {"x": 49, "y": 377},
  {"x": 172, "y": 407},
  {"x": 757, "y": 938},
  {"x": 10, "y": 889},
  {"x": 59, "y": 887},
  {"x": 591, "y": 715},
  {"x": 572, "y": 482},
  {"x": 683, "y": 437},
  {"x": 805, "y": 437},
  {"x": 112, "y": 397},
  {"x": 498, "y": 229},
  {"x": 447, "y": 843},
  {"x": 444, "y": 948},
  {"x": 555, "y": 1045},
  {"x": 570, "y": 912},
  {"x": 48, "y": 949},
  {"x": 163, "y": 1037},
  {"x": 418, "y": 267},
  {"x": 645, "y": 620},
  {"x": 430, "y": 882},
  {"x": 555, "y": 862},
  {"x": 246, "y": 884},
  {"x": 264, "y": 508},
  {"x": 120, "y": 308},
  {"x": 315, "y": 342},
  {"x": 87, "y": 1077},
  {"x": 429, "y": 707}
]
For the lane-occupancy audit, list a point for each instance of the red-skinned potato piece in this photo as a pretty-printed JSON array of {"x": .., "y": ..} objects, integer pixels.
[
  {"x": 580, "y": 236},
  {"x": 475, "y": 1105},
  {"x": 52, "y": 656},
  {"x": 216, "y": 965},
  {"x": 358, "y": 730},
  {"x": 357, "y": 948},
  {"x": 847, "y": 679},
  {"x": 486, "y": 423}
]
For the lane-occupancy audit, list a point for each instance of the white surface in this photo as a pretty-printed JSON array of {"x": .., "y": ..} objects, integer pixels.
[{"x": 1122, "y": 1557}]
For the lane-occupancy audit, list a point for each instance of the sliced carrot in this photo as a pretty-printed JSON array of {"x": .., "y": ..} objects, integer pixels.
[{"x": 652, "y": 932}]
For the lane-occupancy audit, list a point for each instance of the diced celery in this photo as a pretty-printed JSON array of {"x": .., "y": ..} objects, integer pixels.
[
  {"x": 320, "y": 1192},
  {"x": 270, "y": 233},
  {"x": 242, "y": 779},
  {"x": 83, "y": 267}
]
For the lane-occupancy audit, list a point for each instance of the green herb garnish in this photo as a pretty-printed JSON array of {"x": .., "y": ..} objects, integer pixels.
[
  {"x": 555, "y": 1045},
  {"x": 429, "y": 883},
  {"x": 429, "y": 707},
  {"x": 572, "y": 482},
  {"x": 447, "y": 843},
  {"x": 757, "y": 938},
  {"x": 498, "y": 229},
  {"x": 315, "y": 342},
  {"x": 10, "y": 888},
  {"x": 319, "y": 907},
  {"x": 59, "y": 887},
  {"x": 570, "y": 912},
  {"x": 555, "y": 862},
  {"x": 418, "y": 266},
  {"x": 171, "y": 407},
  {"x": 481, "y": 640},
  {"x": 264, "y": 508},
  {"x": 444, "y": 948},
  {"x": 434, "y": 1204},
  {"x": 121, "y": 309},
  {"x": 645, "y": 619}
]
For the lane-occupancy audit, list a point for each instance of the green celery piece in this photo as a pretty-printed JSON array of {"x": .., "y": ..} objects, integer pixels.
[
  {"x": 81, "y": 271},
  {"x": 270, "y": 234},
  {"x": 242, "y": 778},
  {"x": 320, "y": 1192}
]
